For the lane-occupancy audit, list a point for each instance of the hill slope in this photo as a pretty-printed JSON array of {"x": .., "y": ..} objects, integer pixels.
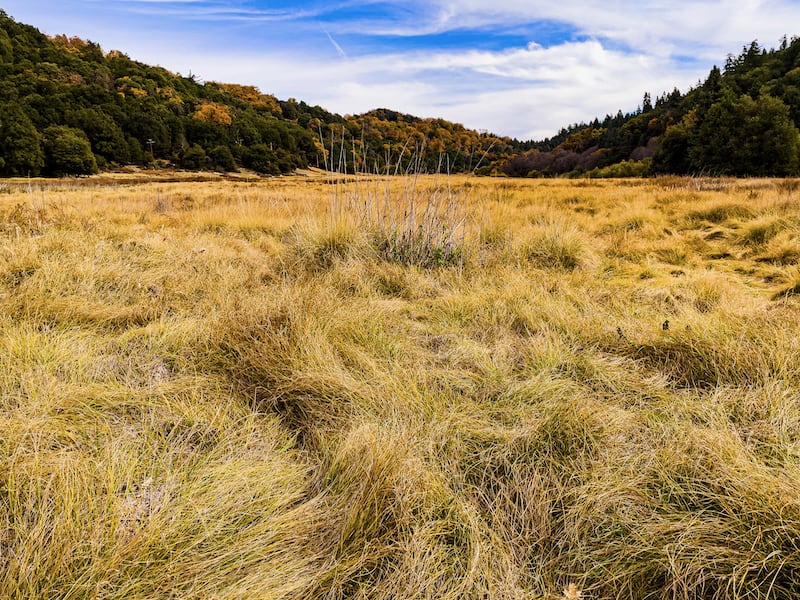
[{"x": 70, "y": 108}]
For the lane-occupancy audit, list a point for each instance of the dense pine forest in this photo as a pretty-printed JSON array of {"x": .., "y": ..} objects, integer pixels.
[{"x": 69, "y": 108}]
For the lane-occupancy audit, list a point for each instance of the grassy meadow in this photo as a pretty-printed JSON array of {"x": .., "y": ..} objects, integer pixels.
[{"x": 404, "y": 388}]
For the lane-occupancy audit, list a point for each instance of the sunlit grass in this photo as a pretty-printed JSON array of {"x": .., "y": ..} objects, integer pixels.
[{"x": 560, "y": 389}]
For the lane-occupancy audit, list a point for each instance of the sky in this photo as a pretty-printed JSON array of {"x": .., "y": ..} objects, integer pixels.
[{"x": 521, "y": 68}]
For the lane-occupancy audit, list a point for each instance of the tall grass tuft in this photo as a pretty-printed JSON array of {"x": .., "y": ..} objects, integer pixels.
[
  {"x": 423, "y": 222},
  {"x": 553, "y": 243},
  {"x": 427, "y": 230}
]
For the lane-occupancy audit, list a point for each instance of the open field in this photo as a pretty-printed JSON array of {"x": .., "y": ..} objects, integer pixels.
[{"x": 285, "y": 389}]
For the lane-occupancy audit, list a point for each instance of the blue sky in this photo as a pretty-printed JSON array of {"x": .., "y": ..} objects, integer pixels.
[{"x": 522, "y": 68}]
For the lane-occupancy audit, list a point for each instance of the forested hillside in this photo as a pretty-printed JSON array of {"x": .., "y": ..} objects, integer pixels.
[
  {"x": 743, "y": 120},
  {"x": 69, "y": 108}
]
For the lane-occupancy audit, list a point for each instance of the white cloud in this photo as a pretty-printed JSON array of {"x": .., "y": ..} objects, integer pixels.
[
  {"x": 710, "y": 24},
  {"x": 526, "y": 93}
]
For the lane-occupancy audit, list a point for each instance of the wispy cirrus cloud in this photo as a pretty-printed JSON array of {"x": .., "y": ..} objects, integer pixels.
[
  {"x": 212, "y": 11},
  {"x": 521, "y": 67}
]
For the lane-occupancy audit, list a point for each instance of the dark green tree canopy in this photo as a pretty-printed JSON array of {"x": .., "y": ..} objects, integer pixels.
[
  {"x": 105, "y": 135},
  {"x": 20, "y": 143},
  {"x": 68, "y": 152},
  {"x": 194, "y": 158},
  {"x": 742, "y": 136}
]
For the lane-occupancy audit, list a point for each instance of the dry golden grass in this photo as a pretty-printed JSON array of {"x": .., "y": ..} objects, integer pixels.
[{"x": 451, "y": 388}]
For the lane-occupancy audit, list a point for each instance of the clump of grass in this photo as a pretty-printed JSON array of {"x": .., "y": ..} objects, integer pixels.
[
  {"x": 422, "y": 224},
  {"x": 630, "y": 223},
  {"x": 494, "y": 237},
  {"x": 721, "y": 212},
  {"x": 15, "y": 272},
  {"x": 127, "y": 468},
  {"x": 279, "y": 354},
  {"x": 790, "y": 289},
  {"x": 781, "y": 251},
  {"x": 395, "y": 281},
  {"x": 789, "y": 186},
  {"x": 698, "y": 476},
  {"x": 426, "y": 247},
  {"x": 761, "y": 231},
  {"x": 554, "y": 244},
  {"x": 162, "y": 204},
  {"x": 319, "y": 248},
  {"x": 706, "y": 291},
  {"x": 727, "y": 355},
  {"x": 29, "y": 218},
  {"x": 625, "y": 245},
  {"x": 672, "y": 254},
  {"x": 427, "y": 229},
  {"x": 366, "y": 474}
]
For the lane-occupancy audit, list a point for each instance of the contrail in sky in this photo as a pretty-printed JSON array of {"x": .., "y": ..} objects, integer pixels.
[{"x": 339, "y": 49}]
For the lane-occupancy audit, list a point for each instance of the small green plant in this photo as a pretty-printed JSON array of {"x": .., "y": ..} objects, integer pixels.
[
  {"x": 430, "y": 232},
  {"x": 434, "y": 242}
]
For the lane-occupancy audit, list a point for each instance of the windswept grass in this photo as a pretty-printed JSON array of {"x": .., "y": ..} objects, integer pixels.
[{"x": 299, "y": 388}]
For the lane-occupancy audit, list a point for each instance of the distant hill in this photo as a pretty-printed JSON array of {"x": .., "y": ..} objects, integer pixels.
[
  {"x": 69, "y": 108},
  {"x": 743, "y": 120},
  {"x": 66, "y": 107}
]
